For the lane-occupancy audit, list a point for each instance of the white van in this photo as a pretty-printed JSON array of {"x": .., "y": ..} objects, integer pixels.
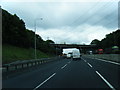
[
  {"x": 76, "y": 54},
  {"x": 68, "y": 55}
]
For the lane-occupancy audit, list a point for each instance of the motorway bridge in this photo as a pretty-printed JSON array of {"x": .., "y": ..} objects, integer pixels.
[{"x": 82, "y": 48}]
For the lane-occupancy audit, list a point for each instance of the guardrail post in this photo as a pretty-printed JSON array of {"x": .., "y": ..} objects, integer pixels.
[
  {"x": 37, "y": 63},
  {"x": 27, "y": 64},
  {"x": 15, "y": 67},
  {"x": 7, "y": 68},
  {"x": 22, "y": 65}
]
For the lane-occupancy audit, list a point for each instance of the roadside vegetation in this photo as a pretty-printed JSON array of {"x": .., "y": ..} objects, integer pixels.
[
  {"x": 110, "y": 44},
  {"x": 12, "y": 53},
  {"x": 18, "y": 42}
]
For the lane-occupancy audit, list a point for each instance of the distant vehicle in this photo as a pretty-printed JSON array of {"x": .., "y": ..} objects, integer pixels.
[
  {"x": 89, "y": 52},
  {"x": 76, "y": 55},
  {"x": 100, "y": 51},
  {"x": 112, "y": 50},
  {"x": 69, "y": 55},
  {"x": 64, "y": 55}
]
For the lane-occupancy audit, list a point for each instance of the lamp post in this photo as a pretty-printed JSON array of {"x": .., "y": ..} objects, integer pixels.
[{"x": 35, "y": 34}]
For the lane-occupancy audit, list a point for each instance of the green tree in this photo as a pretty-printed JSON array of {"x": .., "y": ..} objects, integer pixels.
[
  {"x": 96, "y": 42},
  {"x": 13, "y": 30},
  {"x": 15, "y": 33}
]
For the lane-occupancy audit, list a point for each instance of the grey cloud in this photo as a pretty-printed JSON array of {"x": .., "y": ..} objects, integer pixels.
[
  {"x": 65, "y": 14},
  {"x": 69, "y": 22}
]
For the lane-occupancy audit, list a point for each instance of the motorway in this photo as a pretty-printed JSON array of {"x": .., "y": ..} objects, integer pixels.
[{"x": 66, "y": 73}]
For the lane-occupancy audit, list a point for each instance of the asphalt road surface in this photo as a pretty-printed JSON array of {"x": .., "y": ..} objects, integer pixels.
[{"x": 66, "y": 73}]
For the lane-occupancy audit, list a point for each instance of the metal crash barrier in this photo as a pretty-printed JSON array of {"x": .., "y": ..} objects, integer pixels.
[{"x": 26, "y": 63}]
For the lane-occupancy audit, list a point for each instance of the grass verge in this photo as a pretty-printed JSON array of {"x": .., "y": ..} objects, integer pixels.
[{"x": 13, "y": 53}]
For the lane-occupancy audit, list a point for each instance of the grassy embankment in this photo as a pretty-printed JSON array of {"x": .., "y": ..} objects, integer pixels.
[{"x": 12, "y": 53}]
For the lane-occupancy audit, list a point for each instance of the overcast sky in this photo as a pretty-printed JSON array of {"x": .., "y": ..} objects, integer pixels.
[{"x": 75, "y": 21}]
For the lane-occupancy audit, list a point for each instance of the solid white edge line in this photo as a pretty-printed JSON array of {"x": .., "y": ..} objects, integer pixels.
[
  {"x": 44, "y": 81},
  {"x": 89, "y": 65},
  {"x": 105, "y": 81},
  {"x": 108, "y": 61},
  {"x": 64, "y": 66}
]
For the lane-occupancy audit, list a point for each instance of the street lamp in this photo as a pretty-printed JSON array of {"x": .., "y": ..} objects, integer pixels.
[{"x": 35, "y": 34}]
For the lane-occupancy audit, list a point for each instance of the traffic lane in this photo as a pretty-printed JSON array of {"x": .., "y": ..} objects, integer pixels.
[
  {"x": 33, "y": 77},
  {"x": 76, "y": 74},
  {"x": 110, "y": 71}
]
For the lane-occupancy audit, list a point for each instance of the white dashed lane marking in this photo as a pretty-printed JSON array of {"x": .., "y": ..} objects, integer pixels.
[
  {"x": 105, "y": 81},
  {"x": 44, "y": 81},
  {"x": 84, "y": 60},
  {"x": 89, "y": 65},
  {"x": 69, "y": 62},
  {"x": 101, "y": 75},
  {"x": 64, "y": 66}
]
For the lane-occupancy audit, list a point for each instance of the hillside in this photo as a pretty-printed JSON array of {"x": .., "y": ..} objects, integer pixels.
[
  {"x": 18, "y": 42},
  {"x": 12, "y": 53}
]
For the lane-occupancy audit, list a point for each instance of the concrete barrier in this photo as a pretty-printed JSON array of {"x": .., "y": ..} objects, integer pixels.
[{"x": 111, "y": 57}]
